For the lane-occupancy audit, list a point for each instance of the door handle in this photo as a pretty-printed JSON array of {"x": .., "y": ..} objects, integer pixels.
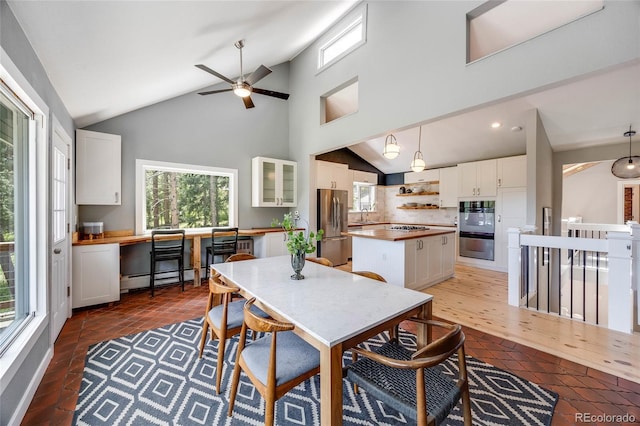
[
  {"x": 117, "y": 197},
  {"x": 57, "y": 251},
  {"x": 499, "y": 218}
]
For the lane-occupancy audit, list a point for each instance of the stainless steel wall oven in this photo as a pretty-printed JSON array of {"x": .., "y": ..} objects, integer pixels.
[{"x": 477, "y": 229}]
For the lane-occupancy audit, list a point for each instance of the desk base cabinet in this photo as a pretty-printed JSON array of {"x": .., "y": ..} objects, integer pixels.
[{"x": 96, "y": 274}]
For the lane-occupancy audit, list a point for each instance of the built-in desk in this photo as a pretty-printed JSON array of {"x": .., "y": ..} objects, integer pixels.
[{"x": 125, "y": 238}]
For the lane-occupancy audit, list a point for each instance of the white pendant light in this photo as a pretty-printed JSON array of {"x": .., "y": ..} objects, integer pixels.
[
  {"x": 418, "y": 164},
  {"x": 391, "y": 148}
]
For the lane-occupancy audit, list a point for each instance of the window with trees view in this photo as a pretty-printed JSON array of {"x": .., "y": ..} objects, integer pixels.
[
  {"x": 174, "y": 195},
  {"x": 364, "y": 197},
  {"x": 14, "y": 203}
]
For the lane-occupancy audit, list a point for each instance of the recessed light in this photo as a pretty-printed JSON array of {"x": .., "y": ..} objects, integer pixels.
[
  {"x": 516, "y": 128},
  {"x": 495, "y": 125}
]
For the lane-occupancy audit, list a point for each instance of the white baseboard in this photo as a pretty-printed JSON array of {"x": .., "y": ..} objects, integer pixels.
[
  {"x": 29, "y": 393},
  {"x": 131, "y": 282}
]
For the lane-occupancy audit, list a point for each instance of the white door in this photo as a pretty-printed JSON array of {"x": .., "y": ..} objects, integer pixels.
[{"x": 60, "y": 230}]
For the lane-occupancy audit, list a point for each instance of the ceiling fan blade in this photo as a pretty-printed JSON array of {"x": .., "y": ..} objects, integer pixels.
[
  {"x": 217, "y": 74},
  {"x": 248, "y": 103},
  {"x": 211, "y": 92},
  {"x": 260, "y": 73},
  {"x": 279, "y": 95}
]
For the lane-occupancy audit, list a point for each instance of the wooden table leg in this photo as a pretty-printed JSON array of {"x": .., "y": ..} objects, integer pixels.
[
  {"x": 195, "y": 256},
  {"x": 331, "y": 386},
  {"x": 423, "y": 332}
]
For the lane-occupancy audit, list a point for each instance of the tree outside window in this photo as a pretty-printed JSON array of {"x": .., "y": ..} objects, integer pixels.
[
  {"x": 185, "y": 196},
  {"x": 364, "y": 197}
]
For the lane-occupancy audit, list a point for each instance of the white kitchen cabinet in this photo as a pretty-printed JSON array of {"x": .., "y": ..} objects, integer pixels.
[
  {"x": 432, "y": 175},
  {"x": 270, "y": 244},
  {"x": 477, "y": 179},
  {"x": 449, "y": 187},
  {"x": 511, "y": 212},
  {"x": 273, "y": 182},
  {"x": 365, "y": 177},
  {"x": 448, "y": 255},
  {"x": 429, "y": 260},
  {"x": 96, "y": 274},
  {"x": 350, "y": 174},
  {"x": 98, "y": 168},
  {"x": 512, "y": 172},
  {"x": 413, "y": 263},
  {"x": 332, "y": 176}
]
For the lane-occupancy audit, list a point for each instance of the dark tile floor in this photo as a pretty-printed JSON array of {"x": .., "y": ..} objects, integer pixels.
[{"x": 581, "y": 389}]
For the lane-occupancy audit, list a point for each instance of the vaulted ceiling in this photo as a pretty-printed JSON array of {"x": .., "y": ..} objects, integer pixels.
[{"x": 108, "y": 58}]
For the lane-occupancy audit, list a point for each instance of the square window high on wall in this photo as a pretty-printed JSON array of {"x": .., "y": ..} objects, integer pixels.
[
  {"x": 345, "y": 37},
  {"x": 339, "y": 102},
  {"x": 500, "y": 24}
]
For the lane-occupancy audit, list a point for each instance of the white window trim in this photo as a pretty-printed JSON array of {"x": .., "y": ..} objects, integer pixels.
[
  {"x": 375, "y": 196},
  {"x": 142, "y": 165},
  {"x": 19, "y": 349},
  {"x": 358, "y": 15}
]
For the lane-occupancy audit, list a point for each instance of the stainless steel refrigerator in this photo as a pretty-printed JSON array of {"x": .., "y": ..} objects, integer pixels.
[{"x": 332, "y": 218}]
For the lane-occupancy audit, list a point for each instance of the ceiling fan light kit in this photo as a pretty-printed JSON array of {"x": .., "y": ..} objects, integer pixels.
[
  {"x": 391, "y": 147},
  {"x": 418, "y": 164},
  {"x": 627, "y": 167},
  {"x": 243, "y": 88}
]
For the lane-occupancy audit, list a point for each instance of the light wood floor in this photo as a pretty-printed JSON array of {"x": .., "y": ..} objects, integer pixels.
[{"x": 477, "y": 298}]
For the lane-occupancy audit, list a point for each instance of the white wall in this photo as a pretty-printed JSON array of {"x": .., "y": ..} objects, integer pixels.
[
  {"x": 421, "y": 45},
  {"x": 592, "y": 194},
  {"x": 539, "y": 171}
]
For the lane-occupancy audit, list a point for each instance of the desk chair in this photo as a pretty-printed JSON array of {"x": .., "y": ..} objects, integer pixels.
[
  {"x": 167, "y": 245},
  {"x": 221, "y": 246},
  {"x": 321, "y": 260},
  {"x": 273, "y": 376},
  {"x": 408, "y": 382}
]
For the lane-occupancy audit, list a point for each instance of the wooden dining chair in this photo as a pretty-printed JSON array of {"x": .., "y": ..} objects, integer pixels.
[
  {"x": 393, "y": 332},
  {"x": 321, "y": 260},
  {"x": 239, "y": 257},
  {"x": 272, "y": 372},
  {"x": 369, "y": 274},
  {"x": 407, "y": 380},
  {"x": 224, "y": 246},
  {"x": 225, "y": 320},
  {"x": 166, "y": 245}
]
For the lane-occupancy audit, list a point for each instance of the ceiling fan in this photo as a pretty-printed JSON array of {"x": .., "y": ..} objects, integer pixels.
[{"x": 244, "y": 86}]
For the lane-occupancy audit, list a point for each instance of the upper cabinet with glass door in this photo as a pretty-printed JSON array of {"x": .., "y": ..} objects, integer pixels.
[{"x": 273, "y": 182}]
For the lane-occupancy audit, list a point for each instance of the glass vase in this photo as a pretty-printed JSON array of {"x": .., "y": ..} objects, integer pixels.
[{"x": 297, "y": 263}]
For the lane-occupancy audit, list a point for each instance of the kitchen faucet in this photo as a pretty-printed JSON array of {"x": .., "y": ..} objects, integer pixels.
[{"x": 366, "y": 217}]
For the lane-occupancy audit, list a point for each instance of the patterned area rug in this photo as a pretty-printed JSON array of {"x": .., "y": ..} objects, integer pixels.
[{"x": 156, "y": 377}]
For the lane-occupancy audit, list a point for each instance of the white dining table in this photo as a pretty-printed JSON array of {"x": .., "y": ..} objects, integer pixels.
[{"x": 331, "y": 309}]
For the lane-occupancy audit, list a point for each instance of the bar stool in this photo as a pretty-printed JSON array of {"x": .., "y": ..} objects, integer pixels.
[
  {"x": 221, "y": 246},
  {"x": 167, "y": 245}
]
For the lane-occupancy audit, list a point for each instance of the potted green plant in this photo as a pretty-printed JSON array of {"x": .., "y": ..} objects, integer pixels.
[{"x": 299, "y": 242}]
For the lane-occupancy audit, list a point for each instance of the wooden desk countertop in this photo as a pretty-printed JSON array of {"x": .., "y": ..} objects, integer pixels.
[{"x": 127, "y": 238}]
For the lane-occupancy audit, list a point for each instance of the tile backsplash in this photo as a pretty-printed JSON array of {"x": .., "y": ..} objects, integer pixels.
[{"x": 387, "y": 203}]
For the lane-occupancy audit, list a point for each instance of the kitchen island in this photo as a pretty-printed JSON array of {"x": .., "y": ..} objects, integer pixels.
[{"x": 413, "y": 259}]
